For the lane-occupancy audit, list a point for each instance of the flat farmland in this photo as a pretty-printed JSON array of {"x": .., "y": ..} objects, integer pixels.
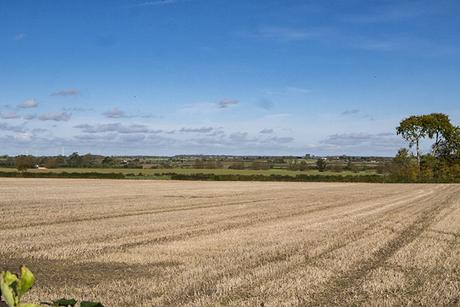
[{"x": 170, "y": 243}]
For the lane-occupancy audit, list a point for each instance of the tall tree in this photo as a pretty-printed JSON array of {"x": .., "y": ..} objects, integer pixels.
[
  {"x": 321, "y": 164},
  {"x": 413, "y": 129},
  {"x": 24, "y": 162}
]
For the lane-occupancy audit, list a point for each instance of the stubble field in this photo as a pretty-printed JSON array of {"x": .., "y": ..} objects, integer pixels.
[{"x": 169, "y": 243}]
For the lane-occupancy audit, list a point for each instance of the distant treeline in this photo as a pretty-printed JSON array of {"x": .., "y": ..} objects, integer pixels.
[
  {"x": 89, "y": 175},
  {"x": 24, "y": 162},
  {"x": 334, "y": 164}
]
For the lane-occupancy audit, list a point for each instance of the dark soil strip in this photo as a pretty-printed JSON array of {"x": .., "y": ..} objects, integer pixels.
[{"x": 57, "y": 273}]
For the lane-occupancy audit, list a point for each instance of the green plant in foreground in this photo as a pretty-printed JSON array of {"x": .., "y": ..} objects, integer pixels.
[{"x": 13, "y": 287}]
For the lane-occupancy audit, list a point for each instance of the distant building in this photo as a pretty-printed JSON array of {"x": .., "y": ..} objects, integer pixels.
[{"x": 36, "y": 166}]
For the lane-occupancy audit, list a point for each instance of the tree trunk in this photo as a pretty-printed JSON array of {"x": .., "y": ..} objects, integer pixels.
[
  {"x": 434, "y": 148},
  {"x": 418, "y": 153}
]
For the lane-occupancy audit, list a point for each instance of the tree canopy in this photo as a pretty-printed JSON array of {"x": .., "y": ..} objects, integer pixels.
[
  {"x": 435, "y": 126},
  {"x": 443, "y": 163}
]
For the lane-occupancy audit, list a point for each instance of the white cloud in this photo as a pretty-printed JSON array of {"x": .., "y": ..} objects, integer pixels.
[
  {"x": 28, "y": 104},
  {"x": 9, "y": 115},
  {"x": 197, "y": 130},
  {"x": 223, "y": 104},
  {"x": 114, "y": 113},
  {"x": 266, "y": 131},
  {"x": 23, "y": 136},
  {"x": 58, "y": 117},
  {"x": 116, "y": 127},
  {"x": 14, "y": 128},
  {"x": 30, "y": 116},
  {"x": 386, "y": 140}
]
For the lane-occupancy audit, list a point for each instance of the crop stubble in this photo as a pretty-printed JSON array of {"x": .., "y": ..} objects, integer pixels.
[{"x": 156, "y": 243}]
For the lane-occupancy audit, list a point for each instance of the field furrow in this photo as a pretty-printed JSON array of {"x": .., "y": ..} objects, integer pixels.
[{"x": 167, "y": 243}]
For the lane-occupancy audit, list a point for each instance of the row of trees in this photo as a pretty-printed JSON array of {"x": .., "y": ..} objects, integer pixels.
[
  {"x": 74, "y": 160},
  {"x": 442, "y": 163},
  {"x": 24, "y": 162}
]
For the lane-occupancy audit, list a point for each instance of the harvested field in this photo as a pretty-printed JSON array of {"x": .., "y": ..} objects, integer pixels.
[{"x": 161, "y": 243}]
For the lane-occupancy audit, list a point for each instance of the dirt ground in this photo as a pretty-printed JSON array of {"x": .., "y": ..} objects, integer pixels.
[{"x": 170, "y": 243}]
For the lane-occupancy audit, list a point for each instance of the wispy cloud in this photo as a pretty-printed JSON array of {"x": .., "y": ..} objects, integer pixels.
[
  {"x": 67, "y": 92},
  {"x": 265, "y": 104},
  {"x": 132, "y": 138},
  {"x": 356, "y": 113},
  {"x": 197, "y": 130},
  {"x": 28, "y": 104},
  {"x": 286, "y": 90},
  {"x": 266, "y": 131},
  {"x": 343, "y": 37},
  {"x": 14, "y": 128},
  {"x": 223, "y": 104},
  {"x": 280, "y": 140},
  {"x": 393, "y": 12},
  {"x": 20, "y": 36},
  {"x": 57, "y": 117},
  {"x": 9, "y": 115},
  {"x": 114, "y": 113},
  {"x": 288, "y": 34},
  {"x": 77, "y": 109},
  {"x": 115, "y": 127},
  {"x": 382, "y": 140},
  {"x": 294, "y": 89},
  {"x": 323, "y": 35},
  {"x": 30, "y": 116},
  {"x": 117, "y": 113},
  {"x": 208, "y": 107},
  {"x": 108, "y": 137},
  {"x": 241, "y": 139},
  {"x": 23, "y": 136},
  {"x": 350, "y": 112}
]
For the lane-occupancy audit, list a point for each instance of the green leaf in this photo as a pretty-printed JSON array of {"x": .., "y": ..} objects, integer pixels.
[
  {"x": 6, "y": 279},
  {"x": 28, "y": 305},
  {"x": 65, "y": 302},
  {"x": 9, "y": 278},
  {"x": 90, "y": 304},
  {"x": 26, "y": 281}
]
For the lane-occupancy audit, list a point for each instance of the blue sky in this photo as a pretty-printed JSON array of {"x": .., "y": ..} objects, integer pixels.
[{"x": 223, "y": 77}]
